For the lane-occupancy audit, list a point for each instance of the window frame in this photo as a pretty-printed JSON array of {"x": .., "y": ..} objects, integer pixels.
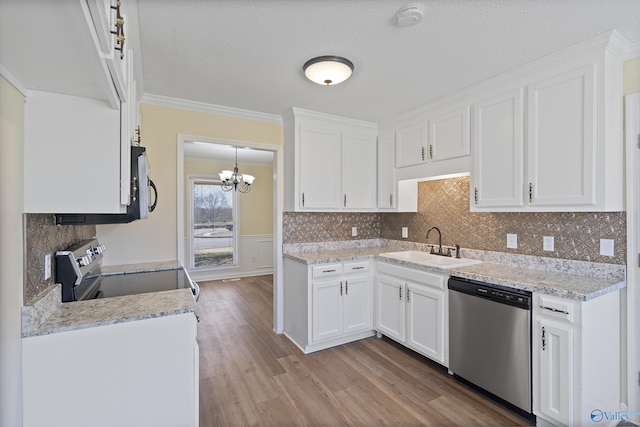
[{"x": 192, "y": 180}]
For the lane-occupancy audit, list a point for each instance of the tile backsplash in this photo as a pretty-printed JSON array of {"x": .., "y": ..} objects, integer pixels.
[
  {"x": 445, "y": 204},
  {"x": 43, "y": 237},
  {"x": 303, "y": 227}
]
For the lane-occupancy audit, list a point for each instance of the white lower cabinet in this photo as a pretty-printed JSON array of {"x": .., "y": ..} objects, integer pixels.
[
  {"x": 576, "y": 360},
  {"x": 133, "y": 374},
  {"x": 411, "y": 308},
  {"x": 328, "y": 304}
]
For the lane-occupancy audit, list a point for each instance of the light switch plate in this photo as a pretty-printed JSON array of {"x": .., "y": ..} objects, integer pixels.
[
  {"x": 512, "y": 241},
  {"x": 405, "y": 232},
  {"x": 547, "y": 243},
  {"x": 606, "y": 247},
  {"x": 354, "y": 231}
]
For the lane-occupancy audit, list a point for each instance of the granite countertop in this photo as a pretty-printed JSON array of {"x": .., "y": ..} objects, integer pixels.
[
  {"x": 577, "y": 280},
  {"x": 565, "y": 285},
  {"x": 48, "y": 315}
]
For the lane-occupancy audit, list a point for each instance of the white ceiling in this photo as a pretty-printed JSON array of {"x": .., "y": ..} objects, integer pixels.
[{"x": 249, "y": 54}]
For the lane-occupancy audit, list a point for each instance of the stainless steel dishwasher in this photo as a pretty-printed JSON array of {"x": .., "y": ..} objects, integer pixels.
[{"x": 490, "y": 339}]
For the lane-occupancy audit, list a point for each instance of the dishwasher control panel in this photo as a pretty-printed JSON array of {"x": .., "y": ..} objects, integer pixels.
[{"x": 497, "y": 293}]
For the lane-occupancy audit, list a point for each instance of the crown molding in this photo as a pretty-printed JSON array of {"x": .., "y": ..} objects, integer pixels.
[
  {"x": 185, "y": 104},
  {"x": 13, "y": 80}
]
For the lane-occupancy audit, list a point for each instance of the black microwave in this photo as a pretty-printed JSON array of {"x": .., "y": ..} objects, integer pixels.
[{"x": 139, "y": 206}]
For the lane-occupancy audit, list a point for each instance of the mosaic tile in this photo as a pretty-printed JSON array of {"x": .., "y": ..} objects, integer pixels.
[
  {"x": 43, "y": 237},
  {"x": 445, "y": 204}
]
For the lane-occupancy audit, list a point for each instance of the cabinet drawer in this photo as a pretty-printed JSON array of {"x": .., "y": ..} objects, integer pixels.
[
  {"x": 326, "y": 270},
  {"x": 556, "y": 308},
  {"x": 357, "y": 267}
]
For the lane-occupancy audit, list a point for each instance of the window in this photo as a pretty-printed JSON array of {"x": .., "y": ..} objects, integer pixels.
[{"x": 212, "y": 225}]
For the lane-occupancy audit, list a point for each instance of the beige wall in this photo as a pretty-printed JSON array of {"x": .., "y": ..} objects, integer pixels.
[
  {"x": 255, "y": 209},
  {"x": 155, "y": 239},
  {"x": 631, "y": 76},
  {"x": 11, "y": 267}
]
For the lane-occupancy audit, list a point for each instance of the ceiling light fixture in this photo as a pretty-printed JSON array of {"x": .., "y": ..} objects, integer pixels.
[
  {"x": 328, "y": 70},
  {"x": 231, "y": 180}
]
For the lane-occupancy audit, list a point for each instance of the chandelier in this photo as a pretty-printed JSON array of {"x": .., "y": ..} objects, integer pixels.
[{"x": 231, "y": 180}]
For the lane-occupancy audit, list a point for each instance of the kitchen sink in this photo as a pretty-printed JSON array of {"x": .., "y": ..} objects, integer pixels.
[{"x": 425, "y": 258}]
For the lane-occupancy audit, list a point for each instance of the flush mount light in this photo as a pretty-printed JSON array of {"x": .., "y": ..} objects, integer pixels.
[{"x": 328, "y": 70}]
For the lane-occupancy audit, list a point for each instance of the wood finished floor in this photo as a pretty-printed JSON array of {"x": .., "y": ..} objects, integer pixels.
[{"x": 250, "y": 376}]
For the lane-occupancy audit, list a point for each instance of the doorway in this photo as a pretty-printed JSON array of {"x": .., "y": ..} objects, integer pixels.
[{"x": 270, "y": 247}]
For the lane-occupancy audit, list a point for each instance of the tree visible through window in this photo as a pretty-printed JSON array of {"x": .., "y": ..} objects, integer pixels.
[{"x": 213, "y": 225}]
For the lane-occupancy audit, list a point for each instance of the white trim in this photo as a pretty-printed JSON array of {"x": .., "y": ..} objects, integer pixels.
[
  {"x": 13, "y": 80},
  {"x": 633, "y": 52},
  {"x": 184, "y": 104},
  {"x": 631, "y": 369},
  {"x": 278, "y": 207}
]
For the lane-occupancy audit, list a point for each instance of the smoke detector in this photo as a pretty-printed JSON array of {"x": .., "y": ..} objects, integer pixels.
[{"x": 410, "y": 14}]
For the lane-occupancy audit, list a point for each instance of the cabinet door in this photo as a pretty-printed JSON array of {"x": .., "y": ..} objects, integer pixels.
[
  {"x": 425, "y": 321},
  {"x": 390, "y": 307},
  {"x": 327, "y": 309},
  {"x": 358, "y": 171},
  {"x": 386, "y": 175},
  {"x": 319, "y": 168},
  {"x": 555, "y": 379},
  {"x": 561, "y": 139},
  {"x": 72, "y": 155},
  {"x": 358, "y": 304},
  {"x": 411, "y": 142},
  {"x": 449, "y": 135},
  {"x": 498, "y": 156}
]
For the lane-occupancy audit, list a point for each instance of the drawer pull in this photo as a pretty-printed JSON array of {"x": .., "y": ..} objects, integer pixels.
[
  {"x": 328, "y": 271},
  {"x": 555, "y": 310},
  {"x": 357, "y": 268}
]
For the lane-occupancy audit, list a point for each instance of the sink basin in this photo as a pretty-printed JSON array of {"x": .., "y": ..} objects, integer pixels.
[{"x": 425, "y": 258}]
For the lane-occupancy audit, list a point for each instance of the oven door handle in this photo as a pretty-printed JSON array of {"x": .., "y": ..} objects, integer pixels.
[{"x": 196, "y": 290}]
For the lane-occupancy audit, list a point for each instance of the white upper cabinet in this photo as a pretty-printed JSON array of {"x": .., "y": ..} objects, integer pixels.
[
  {"x": 111, "y": 28},
  {"x": 386, "y": 176},
  {"x": 78, "y": 116},
  {"x": 319, "y": 160},
  {"x": 411, "y": 144},
  {"x": 498, "y": 156},
  {"x": 441, "y": 134},
  {"x": 358, "y": 171},
  {"x": 449, "y": 135},
  {"x": 332, "y": 160},
  {"x": 560, "y": 147},
  {"x": 561, "y": 139}
]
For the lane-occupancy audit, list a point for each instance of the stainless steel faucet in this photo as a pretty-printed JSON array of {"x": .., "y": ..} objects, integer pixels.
[{"x": 439, "y": 239}]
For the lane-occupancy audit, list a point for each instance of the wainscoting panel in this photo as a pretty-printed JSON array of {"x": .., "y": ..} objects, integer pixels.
[{"x": 255, "y": 258}]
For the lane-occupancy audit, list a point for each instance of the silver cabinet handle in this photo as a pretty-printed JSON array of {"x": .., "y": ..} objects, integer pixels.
[
  {"x": 346, "y": 287},
  {"x": 328, "y": 271},
  {"x": 400, "y": 292},
  {"x": 340, "y": 288},
  {"x": 544, "y": 339},
  {"x": 555, "y": 310}
]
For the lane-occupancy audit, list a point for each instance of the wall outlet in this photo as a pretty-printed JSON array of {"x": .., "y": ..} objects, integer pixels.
[
  {"x": 354, "y": 231},
  {"x": 547, "y": 243},
  {"x": 512, "y": 241},
  {"x": 606, "y": 247},
  {"x": 47, "y": 266},
  {"x": 405, "y": 232}
]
